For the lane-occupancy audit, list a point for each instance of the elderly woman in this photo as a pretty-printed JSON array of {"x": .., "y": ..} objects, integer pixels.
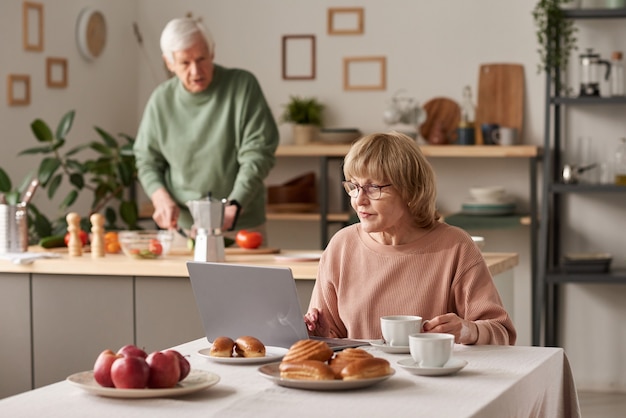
[{"x": 399, "y": 259}]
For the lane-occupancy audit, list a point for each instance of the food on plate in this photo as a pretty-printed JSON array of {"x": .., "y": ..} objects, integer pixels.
[
  {"x": 248, "y": 239},
  {"x": 248, "y": 346},
  {"x": 343, "y": 358},
  {"x": 131, "y": 368},
  {"x": 308, "y": 350},
  {"x": 366, "y": 368},
  {"x": 306, "y": 370},
  {"x": 222, "y": 347}
]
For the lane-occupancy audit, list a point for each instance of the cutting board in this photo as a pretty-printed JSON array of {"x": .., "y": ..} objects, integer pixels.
[
  {"x": 231, "y": 251},
  {"x": 500, "y": 97},
  {"x": 442, "y": 118}
]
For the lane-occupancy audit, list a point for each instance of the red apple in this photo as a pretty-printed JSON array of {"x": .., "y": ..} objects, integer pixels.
[
  {"x": 164, "y": 369},
  {"x": 102, "y": 368},
  {"x": 184, "y": 365},
  {"x": 131, "y": 350},
  {"x": 130, "y": 373}
]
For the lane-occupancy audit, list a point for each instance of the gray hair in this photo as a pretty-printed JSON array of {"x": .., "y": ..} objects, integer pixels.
[{"x": 181, "y": 33}]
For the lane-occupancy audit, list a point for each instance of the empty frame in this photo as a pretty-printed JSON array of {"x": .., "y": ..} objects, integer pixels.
[
  {"x": 18, "y": 90},
  {"x": 298, "y": 57},
  {"x": 365, "y": 73},
  {"x": 32, "y": 26},
  {"x": 56, "y": 72},
  {"x": 345, "y": 21}
]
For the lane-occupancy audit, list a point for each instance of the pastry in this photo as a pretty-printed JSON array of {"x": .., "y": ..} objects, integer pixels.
[
  {"x": 366, "y": 368},
  {"x": 308, "y": 350},
  {"x": 248, "y": 346},
  {"x": 306, "y": 370},
  {"x": 346, "y": 356},
  {"x": 222, "y": 347}
]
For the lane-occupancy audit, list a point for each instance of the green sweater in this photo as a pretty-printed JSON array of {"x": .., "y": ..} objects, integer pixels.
[{"x": 220, "y": 141}]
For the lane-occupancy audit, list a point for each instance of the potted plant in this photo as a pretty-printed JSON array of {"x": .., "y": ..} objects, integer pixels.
[
  {"x": 306, "y": 115},
  {"x": 556, "y": 37}
]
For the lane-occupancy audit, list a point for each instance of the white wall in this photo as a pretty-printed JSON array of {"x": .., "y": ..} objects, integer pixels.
[{"x": 433, "y": 48}]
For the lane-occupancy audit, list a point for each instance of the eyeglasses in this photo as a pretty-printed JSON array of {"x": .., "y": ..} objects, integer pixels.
[{"x": 372, "y": 191}]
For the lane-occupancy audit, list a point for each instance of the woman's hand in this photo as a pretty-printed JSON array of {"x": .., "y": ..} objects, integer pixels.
[
  {"x": 317, "y": 324},
  {"x": 464, "y": 331},
  {"x": 165, "y": 209}
]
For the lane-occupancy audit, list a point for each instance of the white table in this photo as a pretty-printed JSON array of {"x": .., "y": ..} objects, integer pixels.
[{"x": 497, "y": 382}]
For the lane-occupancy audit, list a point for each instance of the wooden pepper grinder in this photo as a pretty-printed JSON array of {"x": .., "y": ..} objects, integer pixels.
[
  {"x": 74, "y": 244},
  {"x": 97, "y": 235}
]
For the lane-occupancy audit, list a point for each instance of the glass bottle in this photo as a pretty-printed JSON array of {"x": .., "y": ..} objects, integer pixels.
[
  {"x": 465, "y": 131},
  {"x": 620, "y": 164},
  {"x": 617, "y": 74}
]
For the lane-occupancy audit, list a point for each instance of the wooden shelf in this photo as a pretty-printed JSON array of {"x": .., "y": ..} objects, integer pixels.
[
  {"x": 293, "y": 216},
  {"x": 435, "y": 151}
]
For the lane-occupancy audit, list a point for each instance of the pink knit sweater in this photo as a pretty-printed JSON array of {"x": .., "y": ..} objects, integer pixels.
[{"x": 360, "y": 280}]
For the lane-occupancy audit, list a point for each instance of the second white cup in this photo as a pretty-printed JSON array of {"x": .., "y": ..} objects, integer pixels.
[
  {"x": 397, "y": 328},
  {"x": 431, "y": 349}
]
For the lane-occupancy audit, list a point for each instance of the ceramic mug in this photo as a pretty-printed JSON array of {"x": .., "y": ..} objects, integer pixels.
[
  {"x": 465, "y": 136},
  {"x": 488, "y": 130},
  {"x": 504, "y": 136},
  {"x": 431, "y": 349},
  {"x": 397, "y": 328}
]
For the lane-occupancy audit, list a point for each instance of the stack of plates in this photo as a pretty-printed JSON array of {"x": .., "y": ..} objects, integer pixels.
[{"x": 488, "y": 201}]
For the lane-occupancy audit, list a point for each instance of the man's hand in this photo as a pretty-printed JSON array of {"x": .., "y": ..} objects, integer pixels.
[
  {"x": 230, "y": 213},
  {"x": 165, "y": 209}
]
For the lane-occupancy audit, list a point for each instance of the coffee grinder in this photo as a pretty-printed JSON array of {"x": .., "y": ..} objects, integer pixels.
[{"x": 208, "y": 217}]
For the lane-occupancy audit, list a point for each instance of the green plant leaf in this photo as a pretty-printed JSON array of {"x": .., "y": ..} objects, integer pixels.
[
  {"x": 37, "y": 150},
  {"x": 76, "y": 165},
  {"x": 129, "y": 138},
  {"x": 41, "y": 224},
  {"x": 41, "y": 130},
  {"x": 69, "y": 199},
  {"x": 77, "y": 180},
  {"x": 65, "y": 124},
  {"x": 106, "y": 137},
  {"x": 76, "y": 150},
  {"x": 54, "y": 185},
  {"x": 129, "y": 213},
  {"x": 126, "y": 150},
  {"x": 110, "y": 216},
  {"x": 101, "y": 148},
  {"x": 5, "y": 181},
  {"x": 47, "y": 169},
  {"x": 58, "y": 144},
  {"x": 125, "y": 171}
]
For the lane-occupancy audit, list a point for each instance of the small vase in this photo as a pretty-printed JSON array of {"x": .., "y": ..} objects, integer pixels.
[{"x": 304, "y": 134}]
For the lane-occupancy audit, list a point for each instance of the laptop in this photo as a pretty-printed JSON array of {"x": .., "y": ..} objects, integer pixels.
[{"x": 235, "y": 300}]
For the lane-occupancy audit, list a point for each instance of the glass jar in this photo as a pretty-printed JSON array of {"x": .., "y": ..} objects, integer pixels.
[
  {"x": 620, "y": 164},
  {"x": 617, "y": 74}
]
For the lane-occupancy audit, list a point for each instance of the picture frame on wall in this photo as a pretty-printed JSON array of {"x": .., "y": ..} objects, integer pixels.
[
  {"x": 56, "y": 72},
  {"x": 345, "y": 20},
  {"x": 365, "y": 73},
  {"x": 18, "y": 90},
  {"x": 32, "y": 26},
  {"x": 298, "y": 57}
]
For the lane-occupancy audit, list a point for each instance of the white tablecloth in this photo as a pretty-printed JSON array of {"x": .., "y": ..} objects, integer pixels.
[{"x": 497, "y": 382}]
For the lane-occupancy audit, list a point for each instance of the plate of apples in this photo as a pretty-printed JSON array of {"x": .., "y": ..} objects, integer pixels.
[{"x": 132, "y": 373}]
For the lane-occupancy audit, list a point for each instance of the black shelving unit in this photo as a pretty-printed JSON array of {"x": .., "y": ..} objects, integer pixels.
[{"x": 551, "y": 273}]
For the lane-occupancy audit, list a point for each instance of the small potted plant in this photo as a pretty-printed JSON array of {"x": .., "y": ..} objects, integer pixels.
[{"x": 306, "y": 115}]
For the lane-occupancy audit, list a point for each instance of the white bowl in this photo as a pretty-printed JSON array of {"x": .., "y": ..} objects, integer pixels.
[
  {"x": 339, "y": 135},
  {"x": 487, "y": 194}
]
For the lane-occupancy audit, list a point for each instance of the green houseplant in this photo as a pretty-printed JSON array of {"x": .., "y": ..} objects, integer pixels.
[
  {"x": 306, "y": 115},
  {"x": 556, "y": 36},
  {"x": 110, "y": 177}
]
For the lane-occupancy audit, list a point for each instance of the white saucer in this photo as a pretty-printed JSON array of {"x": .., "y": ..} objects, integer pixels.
[
  {"x": 271, "y": 354},
  {"x": 382, "y": 346},
  {"x": 452, "y": 366}
]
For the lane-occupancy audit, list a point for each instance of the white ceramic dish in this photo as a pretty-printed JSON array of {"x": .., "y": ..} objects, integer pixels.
[
  {"x": 297, "y": 257},
  {"x": 197, "y": 380},
  {"x": 452, "y": 366},
  {"x": 271, "y": 354},
  {"x": 487, "y": 194},
  {"x": 382, "y": 346},
  {"x": 271, "y": 372}
]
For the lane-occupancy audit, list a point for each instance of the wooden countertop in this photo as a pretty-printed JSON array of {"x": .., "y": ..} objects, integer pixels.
[{"x": 174, "y": 265}]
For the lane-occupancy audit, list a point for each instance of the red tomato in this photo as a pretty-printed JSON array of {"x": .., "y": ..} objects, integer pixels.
[
  {"x": 84, "y": 237},
  {"x": 155, "y": 247},
  {"x": 248, "y": 239}
]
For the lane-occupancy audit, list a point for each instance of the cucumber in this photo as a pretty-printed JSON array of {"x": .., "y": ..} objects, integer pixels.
[{"x": 52, "y": 241}]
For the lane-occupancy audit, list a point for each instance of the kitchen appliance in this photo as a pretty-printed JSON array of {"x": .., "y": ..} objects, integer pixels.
[
  {"x": 590, "y": 69},
  {"x": 208, "y": 217},
  {"x": 404, "y": 110}
]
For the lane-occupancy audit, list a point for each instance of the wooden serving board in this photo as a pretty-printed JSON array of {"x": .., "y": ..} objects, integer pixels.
[
  {"x": 500, "y": 97},
  {"x": 442, "y": 119}
]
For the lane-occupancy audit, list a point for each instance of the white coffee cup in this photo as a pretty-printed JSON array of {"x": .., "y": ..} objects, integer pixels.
[
  {"x": 505, "y": 136},
  {"x": 397, "y": 328},
  {"x": 431, "y": 349}
]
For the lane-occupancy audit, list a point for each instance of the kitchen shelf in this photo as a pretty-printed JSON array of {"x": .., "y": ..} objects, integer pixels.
[
  {"x": 487, "y": 222},
  {"x": 615, "y": 276},
  {"x": 587, "y": 188},
  {"x": 588, "y": 100},
  {"x": 604, "y": 13}
]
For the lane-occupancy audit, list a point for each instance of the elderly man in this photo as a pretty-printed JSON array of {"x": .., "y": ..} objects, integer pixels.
[{"x": 209, "y": 130}]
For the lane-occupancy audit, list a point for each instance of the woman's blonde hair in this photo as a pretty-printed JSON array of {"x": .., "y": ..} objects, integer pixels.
[{"x": 397, "y": 159}]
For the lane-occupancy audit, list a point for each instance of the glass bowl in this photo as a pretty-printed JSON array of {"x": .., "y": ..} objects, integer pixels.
[{"x": 146, "y": 245}]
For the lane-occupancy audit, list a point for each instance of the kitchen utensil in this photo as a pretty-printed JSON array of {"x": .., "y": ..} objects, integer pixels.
[
  {"x": 28, "y": 194},
  {"x": 403, "y": 109},
  {"x": 208, "y": 217},
  {"x": 590, "y": 67},
  {"x": 500, "y": 97},
  {"x": 572, "y": 172},
  {"x": 443, "y": 116}
]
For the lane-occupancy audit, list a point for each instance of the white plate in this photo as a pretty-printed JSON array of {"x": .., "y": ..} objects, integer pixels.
[
  {"x": 382, "y": 346},
  {"x": 298, "y": 257},
  {"x": 271, "y": 372},
  {"x": 452, "y": 366},
  {"x": 197, "y": 380},
  {"x": 271, "y": 354}
]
